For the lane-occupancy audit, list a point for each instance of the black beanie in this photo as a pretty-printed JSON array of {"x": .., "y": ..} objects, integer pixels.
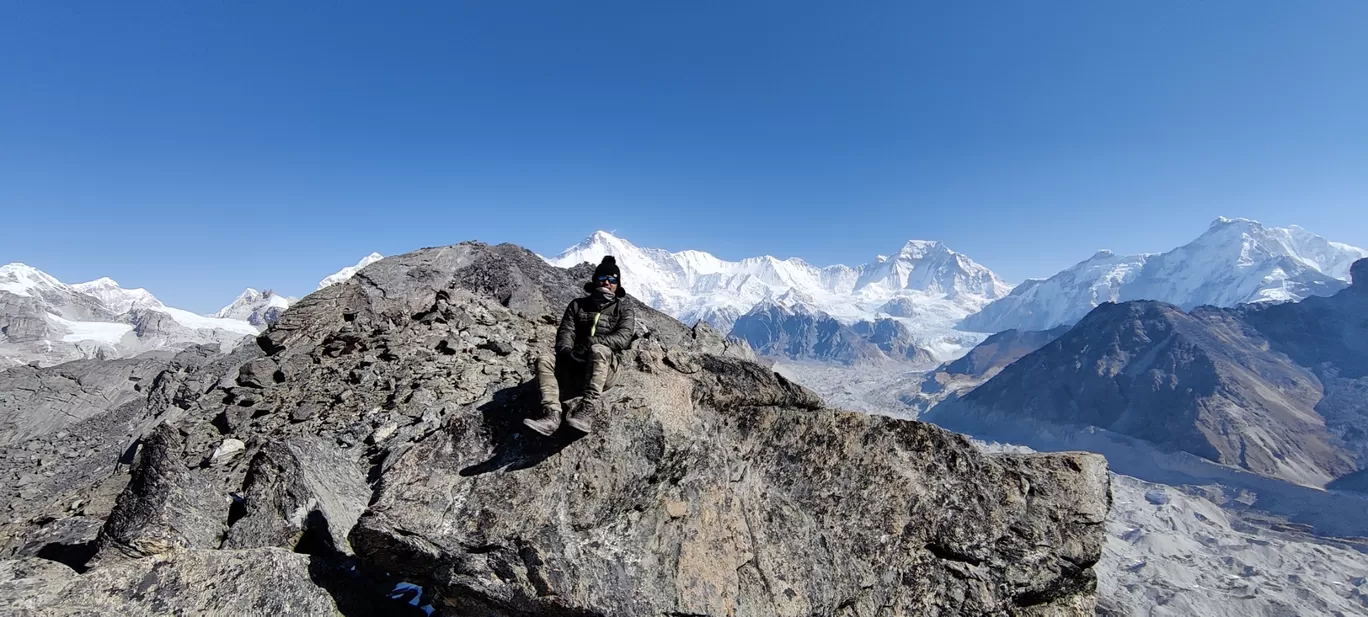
[{"x": 608, "y": 267}]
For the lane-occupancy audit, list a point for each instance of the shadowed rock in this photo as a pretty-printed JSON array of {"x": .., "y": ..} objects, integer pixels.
[
  {"x": 301, "y": 494},
  {"x": 196, "y": 582}
]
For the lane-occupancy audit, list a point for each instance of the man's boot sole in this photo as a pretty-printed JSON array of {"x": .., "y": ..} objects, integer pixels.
[
  {"x": 582, "y": 427},
  {"x": 537, "y": 426}
]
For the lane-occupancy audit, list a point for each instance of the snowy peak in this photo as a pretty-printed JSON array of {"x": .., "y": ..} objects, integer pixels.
[
  {"x": 118, "y": 299},
  {"x": 45, "y": 320},
  {"x": 1235, "y": 261},
  {"x": 259, "y": 308},
  {"x": 25, "y": 280},
  {"x": 349, "y": 271},
  {"x": 930, "y": 266},
  {"x": 920, "y": 249}
]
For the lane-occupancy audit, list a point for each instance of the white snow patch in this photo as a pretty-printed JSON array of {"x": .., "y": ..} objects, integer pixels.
[
  {"x": 98, "y": 331},
  {"x": 200, "y": 322},
  {"x": 349, "y": 271}
]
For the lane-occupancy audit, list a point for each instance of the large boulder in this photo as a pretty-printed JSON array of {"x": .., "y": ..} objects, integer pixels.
[
  {"x": 300, "y": 494},
  {"x": 730, "y": 491}
]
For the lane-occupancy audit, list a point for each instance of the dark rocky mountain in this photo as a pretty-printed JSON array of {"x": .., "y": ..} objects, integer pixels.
[
  {"x": 1000, "y": 350},
  {"x": 799, "y": 333},
  {"x": 967, "y": 372},
  {"x": 372, "y": 436},
  {"x": 1280, "y": 390}
]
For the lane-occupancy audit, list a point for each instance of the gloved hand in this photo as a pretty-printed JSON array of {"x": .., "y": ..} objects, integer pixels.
[{"x": 566, "y": 356}]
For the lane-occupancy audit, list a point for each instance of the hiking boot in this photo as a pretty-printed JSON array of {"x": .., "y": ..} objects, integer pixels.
[
  {"x": 545, "y": 423},
  {"x": 582, "y": 417}
]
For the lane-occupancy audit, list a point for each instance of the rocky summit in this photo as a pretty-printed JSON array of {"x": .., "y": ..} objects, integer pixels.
[{"x": 372, "y": 437}]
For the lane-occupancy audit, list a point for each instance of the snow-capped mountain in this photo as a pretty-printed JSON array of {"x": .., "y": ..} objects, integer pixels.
[
  {"x": 259, "y": 308},
  {"x": 942, "y": 285},
  {"x": 262, "y": 308},
  {"x": 349, "y": 271},
  {"x": 45, "y": 320},
  {"x": 116, "y": 298},
  {"x": 1236, "y": 261}
]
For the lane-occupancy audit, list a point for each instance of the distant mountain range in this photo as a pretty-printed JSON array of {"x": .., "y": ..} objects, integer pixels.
[
  {"x": 944, "y": 302},
  {"x": 928, "y": 287},
  {"x": 922, "y": 303},
  {"x": 1276, "y": 389},
  {"x": 46, "y": 321},
  {"x": 1236, "y": 261}
]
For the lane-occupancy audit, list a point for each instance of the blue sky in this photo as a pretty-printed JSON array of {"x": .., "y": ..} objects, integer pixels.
[{"x": 196, "y": 148}]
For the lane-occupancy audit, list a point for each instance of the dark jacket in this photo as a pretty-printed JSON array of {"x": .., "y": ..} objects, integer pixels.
[{"x": 591, "y": 320}]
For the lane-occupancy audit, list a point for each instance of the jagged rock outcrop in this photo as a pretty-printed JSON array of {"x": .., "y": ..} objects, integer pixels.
[
  {"x": 199, "y": 582},
  {"x": 711, "y": 486},
  {"x": 38, "y": 401},
  {"x": 299, "y": 492}
]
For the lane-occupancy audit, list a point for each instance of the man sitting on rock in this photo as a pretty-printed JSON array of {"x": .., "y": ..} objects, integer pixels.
[{"x": 593, "y": 329}]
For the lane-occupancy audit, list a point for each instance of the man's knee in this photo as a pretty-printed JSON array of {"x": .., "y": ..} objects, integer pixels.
[
  {"x": 601, "y": 352},
  {"x": 545, "y": 362}
]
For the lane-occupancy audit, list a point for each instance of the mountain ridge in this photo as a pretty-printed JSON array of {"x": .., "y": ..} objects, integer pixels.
[
  {"x": 1273, "y": 388},
  {"x": 1235, "y": 261},
  {"x": 46, "y": 321}
]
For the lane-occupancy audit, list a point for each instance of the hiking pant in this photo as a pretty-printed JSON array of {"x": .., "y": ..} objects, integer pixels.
[{"x": 595, "y": 374}]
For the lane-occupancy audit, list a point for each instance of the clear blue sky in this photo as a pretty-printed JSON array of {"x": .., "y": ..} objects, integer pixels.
[{"x": 196, "y": 148}]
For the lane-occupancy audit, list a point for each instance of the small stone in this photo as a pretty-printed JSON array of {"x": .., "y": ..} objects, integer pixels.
[
  {"x": 676, "y": 509},
  {"x": 382, "y": 433},
  {"x": 226, "y": 450},
  {"x": 499, "y": 347},
  {"x": 303, "y": 412},
  {"x": 1157, "y": 498}
]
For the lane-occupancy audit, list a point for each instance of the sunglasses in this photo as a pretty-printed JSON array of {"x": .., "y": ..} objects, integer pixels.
[{"x": 609, "y": 278}]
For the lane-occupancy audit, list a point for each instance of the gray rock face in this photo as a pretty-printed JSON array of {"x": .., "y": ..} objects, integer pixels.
[
  {"x": 165, "y": 506},
  {"x": 21, "y": 319},
  {"x": 301, "y": 494},
  {"x": 711, "y": 486},
  {"x": 37, "y": 401},
  {"x": 199, "y": 582},
  {"x": 999, "y": 350},
  {"x": 732, "y": 492},
  {"x": 953, "y": 379}
]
